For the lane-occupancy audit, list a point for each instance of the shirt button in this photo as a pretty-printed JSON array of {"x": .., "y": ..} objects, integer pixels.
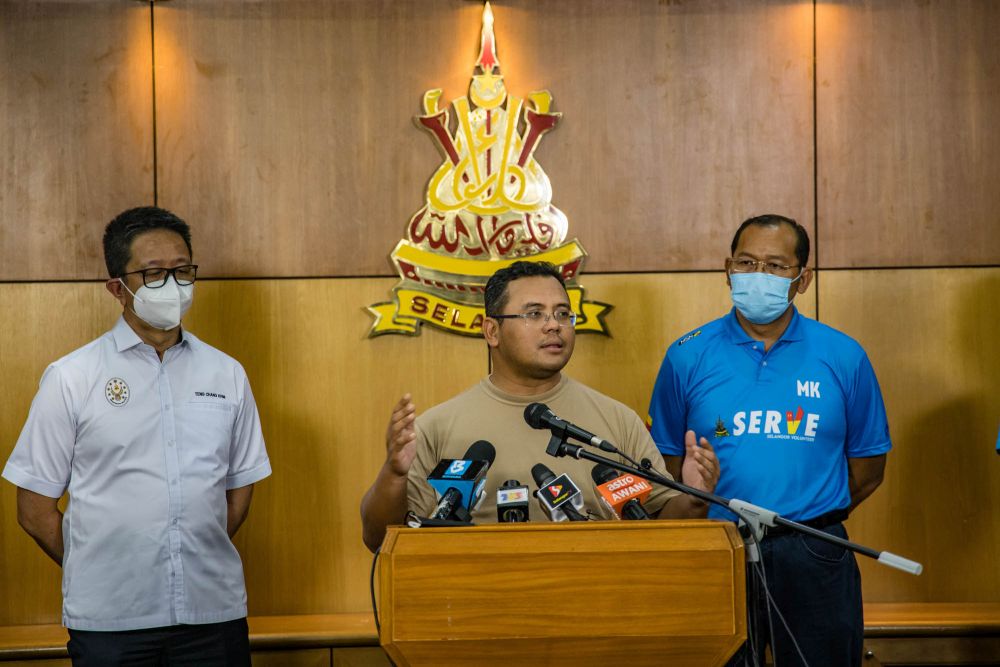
[
  {"x": 167, "y": 408},
  {"x": 765, "y": 363},
  {"x": 174, "y": 521},
  {"x": 170, "y": 443}
]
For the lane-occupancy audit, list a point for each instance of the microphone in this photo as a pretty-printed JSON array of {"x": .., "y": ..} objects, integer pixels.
[
  {"x": 622, "y": 494},
  {"x": 539, "y": 416},
  {"x": 512, "y": 502},
  {"x": 459, "y": 483},
  {"x": 559, "y": 497}
]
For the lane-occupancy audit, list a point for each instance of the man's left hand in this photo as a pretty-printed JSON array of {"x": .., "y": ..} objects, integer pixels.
[{"x": 701, "y": 466}]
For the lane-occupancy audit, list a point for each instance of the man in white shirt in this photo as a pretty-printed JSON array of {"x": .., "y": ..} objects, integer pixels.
[{"x": 155, "y": 436}]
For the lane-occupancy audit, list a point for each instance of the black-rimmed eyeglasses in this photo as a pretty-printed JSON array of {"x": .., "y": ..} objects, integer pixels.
[{"x": 157, "y": 277}]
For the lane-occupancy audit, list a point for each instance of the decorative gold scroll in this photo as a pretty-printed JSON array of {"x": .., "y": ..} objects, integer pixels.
[{"x": 410, "y": 308}]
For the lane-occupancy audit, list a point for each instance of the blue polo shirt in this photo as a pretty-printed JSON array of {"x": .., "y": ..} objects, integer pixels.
[{"x": 783, "y": 422}]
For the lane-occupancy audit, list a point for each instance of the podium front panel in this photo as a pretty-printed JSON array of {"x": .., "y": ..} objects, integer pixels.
[{"x": 551, "y": 593}]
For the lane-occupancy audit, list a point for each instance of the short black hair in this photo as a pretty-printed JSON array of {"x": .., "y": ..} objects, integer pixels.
[
  {"x": 495, "y": 294},
  {"x": 773, "y": 220},
  {"x": 121, "y": 231}
]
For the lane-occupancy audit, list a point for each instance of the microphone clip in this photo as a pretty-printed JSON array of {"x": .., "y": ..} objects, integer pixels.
[{"x": 559, "y": 446}]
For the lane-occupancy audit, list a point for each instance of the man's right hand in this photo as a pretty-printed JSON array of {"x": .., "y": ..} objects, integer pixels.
[
  {"x": 401, "y": 437},
  {"x": 384, "y": 503}
]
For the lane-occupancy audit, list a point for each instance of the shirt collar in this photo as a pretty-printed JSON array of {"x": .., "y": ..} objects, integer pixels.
[
  {"x": 519, "y": 400},
  {"x": 793, "y": 332},
  {"x": 126, "y": 338}
]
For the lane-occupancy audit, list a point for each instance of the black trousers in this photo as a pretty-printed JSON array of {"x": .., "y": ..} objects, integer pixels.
[
  {"x": 224, "y": 644},
  {"x": 817, "y": 587}
]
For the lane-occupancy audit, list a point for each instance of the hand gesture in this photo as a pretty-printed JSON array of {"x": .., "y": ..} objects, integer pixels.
[
  {"x": 701, "y": 466},
  {"x": 401, "y": 437}
]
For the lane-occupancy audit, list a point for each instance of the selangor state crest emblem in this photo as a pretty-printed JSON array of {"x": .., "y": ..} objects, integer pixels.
[
  {"x": 117, "y": 392},
  {"x": 488, "y": 205}
]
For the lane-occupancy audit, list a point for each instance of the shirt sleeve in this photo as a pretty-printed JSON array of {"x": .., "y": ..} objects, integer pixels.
[
  {"x": 867, "y": 426},
  {"x": 668, "y": 410},
  {"x": 248, "y": 461},
  {"x": 43, "y": 456}
]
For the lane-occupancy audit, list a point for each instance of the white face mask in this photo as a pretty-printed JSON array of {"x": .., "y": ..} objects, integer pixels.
[{"x": 163, "y": 307}]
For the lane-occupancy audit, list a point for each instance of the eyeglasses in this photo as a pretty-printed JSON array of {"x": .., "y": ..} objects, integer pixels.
[
  {"x": 563, "y": 318},
  {"x": 750, "y": 265},
  {"x": 157, "y": 277}
]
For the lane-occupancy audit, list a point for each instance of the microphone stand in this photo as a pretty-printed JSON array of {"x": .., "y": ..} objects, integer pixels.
[
  {"x": 752, "y": 523},
  {"x": 754, "y": 517}
]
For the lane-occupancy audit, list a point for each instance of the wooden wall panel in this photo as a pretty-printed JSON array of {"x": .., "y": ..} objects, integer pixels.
[
  {"x": 324, "y": 393},
  {"x": 931, "y": 336},
  {"x": 680, "y": 120},
  {"x": 75, "y": 131},
  {"x": 908, "y": 137},
  {"x": 286, "y": 127}
]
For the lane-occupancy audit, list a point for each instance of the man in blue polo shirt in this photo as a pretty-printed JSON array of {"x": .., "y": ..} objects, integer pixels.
[{"x": 796, "y": 418}]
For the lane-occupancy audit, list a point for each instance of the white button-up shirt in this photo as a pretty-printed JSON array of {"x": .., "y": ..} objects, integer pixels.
[{"x": 147, "y": 451}]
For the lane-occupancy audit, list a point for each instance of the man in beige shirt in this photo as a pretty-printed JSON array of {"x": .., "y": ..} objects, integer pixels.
[{"x": 529, "y": 328}]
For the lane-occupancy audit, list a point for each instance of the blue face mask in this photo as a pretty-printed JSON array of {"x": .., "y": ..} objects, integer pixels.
[{"x": 760, "y": 297}]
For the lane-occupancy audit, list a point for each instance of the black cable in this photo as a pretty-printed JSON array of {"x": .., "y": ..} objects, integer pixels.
[
  {"x": 757, "y": 567},
  {"x": 771, "y": 604},
  {"x": 371, "y": 587},
  {"x": 752, "y": 620},
  {"x": 770, "y": 621}
]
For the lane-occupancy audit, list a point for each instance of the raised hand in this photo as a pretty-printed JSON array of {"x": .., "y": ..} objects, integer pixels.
[
  {"x": 701, "y": 467},
  {"x": 401, "y": 436}
]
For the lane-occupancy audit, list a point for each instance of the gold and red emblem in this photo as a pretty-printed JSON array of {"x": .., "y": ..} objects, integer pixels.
[
  {"x": 488, "y": 205},
  {"x": 117, "y": 392}
]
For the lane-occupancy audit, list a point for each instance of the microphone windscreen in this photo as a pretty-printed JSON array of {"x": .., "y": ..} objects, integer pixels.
[
  {"x": 603, "y": 474},
  {"x": 533, "y": 415},
  {"x": 481, "y": 450},
  {"x": 541, "y": 474}
]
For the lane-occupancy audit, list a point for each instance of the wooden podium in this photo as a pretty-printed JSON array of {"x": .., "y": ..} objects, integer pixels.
[{"x": 587, "y": 593}]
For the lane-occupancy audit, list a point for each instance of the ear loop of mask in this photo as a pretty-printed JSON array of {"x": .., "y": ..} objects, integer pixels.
[{"x": 128, "y": 290}]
